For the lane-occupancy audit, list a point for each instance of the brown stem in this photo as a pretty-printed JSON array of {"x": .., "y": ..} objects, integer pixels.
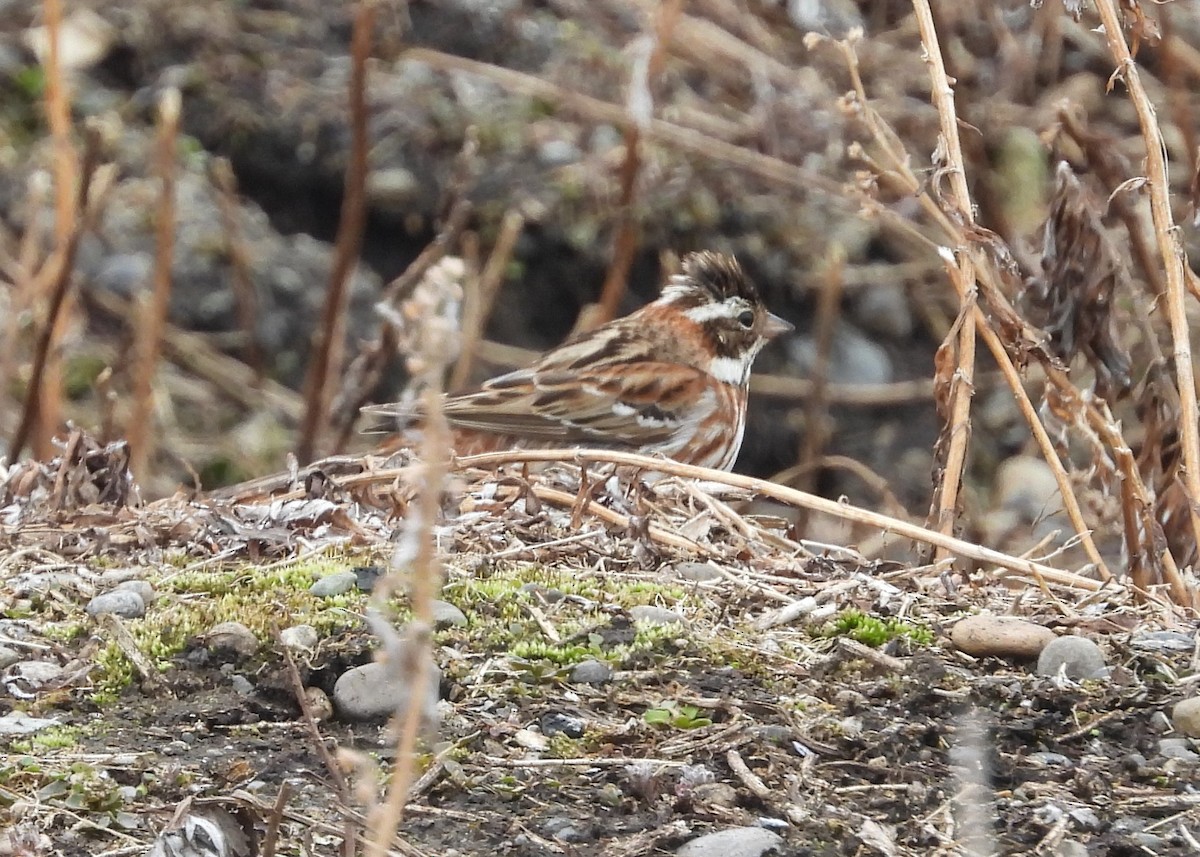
[{"x": 327, "y": 356}]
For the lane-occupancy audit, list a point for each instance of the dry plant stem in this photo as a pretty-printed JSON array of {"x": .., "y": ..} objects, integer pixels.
[
  {"x": 19, "y": 271},
  {"x": 66, "y": 210},
  {"x": 150, "y": 321},
  {"x": 478, "y": 302},
  {"x": 1169, "y": 247},
  {"x": 426, "y": 580},
  {"x": 625, "y": 240},
  {"x": 64, "y": 265},
  {"x": 330, "y": 337},
  {"x": 783, "y": 494},
  {"x": 898, "y": 162},
  {"x": 244, "y": 295},
  {"x": 816, "y": 412},
  {"x": 963, "y": 268}
]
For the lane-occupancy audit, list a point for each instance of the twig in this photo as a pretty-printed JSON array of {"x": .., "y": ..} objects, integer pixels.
[
  {"x": 960, "y": 265},
  {"x": 66, "y": 212},
  {"x": 148, "y": 327},
  {"x": 817, "y": 422},
  {"x": 783, "y": 494},
  {"x": 477, "y": 303},
  {"x": 327, "y": 357},
  {"x": 244, "y": 296},
  {"x": 65, "y": 266},
  {"x": 639, "y": 106},
  {"x": 1169, "y": 247},
  {"x": 271, "y": 837}
]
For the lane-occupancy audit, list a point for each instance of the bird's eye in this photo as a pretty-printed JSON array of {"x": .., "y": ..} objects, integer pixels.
[{"x": 746, "y": 319}]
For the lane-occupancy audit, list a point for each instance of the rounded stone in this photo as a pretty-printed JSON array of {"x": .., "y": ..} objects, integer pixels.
[
  {"x": 654, "y": 615},
  {"x": 591, "y": 671},
  {"x": 374, "y": 691},
  {"x": 1185, "y": 717},
  {"x": 300, "y": 638},
  {"x": 698, "y": 572},
  {"x": 1078, "y": 657},
  {"x": 1000, "y": 636},
  {"x": 231, "y": 637},
  {"x": 141, "y": 587},
  {"x": 338, "y": 583},
  {"x": 446, "y": 615},
  {"x": 734, "y": 842},
  {"x": 119, "y": 602}
]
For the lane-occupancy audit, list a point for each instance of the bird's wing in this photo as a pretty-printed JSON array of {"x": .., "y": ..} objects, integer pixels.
[{"x": 612, "y": 404}]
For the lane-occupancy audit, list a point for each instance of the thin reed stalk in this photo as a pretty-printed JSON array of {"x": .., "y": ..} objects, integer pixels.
[
  {"x": 150, "y": 322},
  {"x": 331, "y": 333}
]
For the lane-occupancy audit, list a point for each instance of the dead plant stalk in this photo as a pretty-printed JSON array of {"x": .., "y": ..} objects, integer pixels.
[
  {"x": 1169, "y": 247},
  {"x": 330, "y": 336},
  {"x": 963, "y": 384},
  {"x": 148, "y": 331},
  {"x": 898, "y": 164},
  {"x": 66, "y": 211}
]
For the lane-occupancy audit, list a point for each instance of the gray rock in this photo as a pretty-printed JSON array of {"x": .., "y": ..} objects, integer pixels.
[
  {"x": 377, "y": 690},
  {"x": 1078, "y": 657},
  {"x": 853, "y": 358},
  {"x": 715, "y": 794},
  {"x": 141, "y": 587},
  {"x": 556, "y": 722},
  {"x": 1084, "y": 818},
  {"x": 26, "y": 679},
  {"x": 1163, "y": 641},
  {"x": 1185, "y": 717},
  {"x": 338, "y": 583},
  {"x": 8, "y": 657},
  {"x": 447, "y": 615},
  {"x": 884, "y": 309},
  {"x": 15, "y": 724},
  {"x": 120, "y": 602},
  {"x": 300, "y": 638},
  {"x": 1071, "y": 848},
  {"x": 1177, "y": 748},
  {"x": 699, "y": 572},
  {"x": 735, "y": 842},
  {"x": 654, "y": 615},
  {"x": 231, "y": 637},
  {"x": 566, "y": 829},
  {"x": 591, "y": 671}
]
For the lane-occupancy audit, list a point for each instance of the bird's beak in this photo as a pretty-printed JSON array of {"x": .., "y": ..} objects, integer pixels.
[{"x": 775, "y": 326}]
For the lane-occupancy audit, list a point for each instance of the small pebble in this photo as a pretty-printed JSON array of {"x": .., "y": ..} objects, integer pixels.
[
  {"x": 141, "y": 587},
  {"x": 1078, "y": 657},
  {"x": 15, "y": 724},
  {"x": 591, "y": 671},
  {"x": 1185, "y": 717},
  {"x": 374, "y": 691},
  {"x": 1071, "y": 848},
  {"x": 557, "y": 722},
  {"x": 319, "y": 704},
  {"x": 232, "y": 637},
  {"x": 715, "y": 794},
  {"x": 8, "y": 657},
  {"x": 1177, "y": 748},
  {"x": 300, "y": 638},
  {"x": 365, "y": 576},
  {"x": 734, "y": 842},
  {"x": 446, "y": 615},
  {"x": 699, "y": 572},
  {"x": 654, "y": 615},
  {"x": 986, "y": 635},
  {"x": 119, "y": 602},
  {"x": 531, "y": 740},
  {"x": 338, "y": 583}
]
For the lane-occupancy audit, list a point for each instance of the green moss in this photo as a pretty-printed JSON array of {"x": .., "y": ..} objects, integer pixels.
[
  {"x": 80, "y": 374},
  {"x": 874, "y": 632},
  {"x": 54, "y": 738}
]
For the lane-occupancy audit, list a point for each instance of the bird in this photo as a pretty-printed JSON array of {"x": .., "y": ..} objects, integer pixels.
[{"x": 669, "y": 379}]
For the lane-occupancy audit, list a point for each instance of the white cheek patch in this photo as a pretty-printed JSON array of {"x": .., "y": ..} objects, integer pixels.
[{"x": 731, "y": 370}]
